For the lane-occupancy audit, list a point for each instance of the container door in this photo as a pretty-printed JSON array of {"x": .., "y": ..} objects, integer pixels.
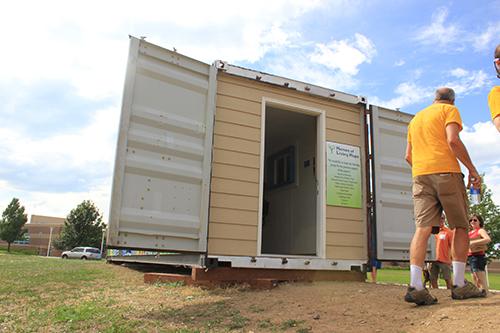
[
  {"x": 162, "y": 171},
  {"x": 395, "y": 223}
]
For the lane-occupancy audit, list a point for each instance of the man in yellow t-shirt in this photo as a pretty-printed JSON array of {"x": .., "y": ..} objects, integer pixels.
[
  {"x": 494, "y": 95},
  {"x": 433, "y": 151}
]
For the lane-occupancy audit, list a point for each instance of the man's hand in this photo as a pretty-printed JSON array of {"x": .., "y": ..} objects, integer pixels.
[
  {"x": 496, "y": 122},
  {"x": 474, "y": 179}
]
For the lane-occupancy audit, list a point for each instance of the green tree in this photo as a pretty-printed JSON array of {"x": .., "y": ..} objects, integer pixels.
[
  {"x": 82, "y": 227},
  {"x": 12, "y": 222},
  {"x": 490, "y": 212}
]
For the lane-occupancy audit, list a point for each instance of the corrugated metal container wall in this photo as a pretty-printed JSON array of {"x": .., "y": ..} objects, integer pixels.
[
  {"x": 162, "y": 169},
  {"x": 234, "y": 196},
  {"x": 395, "y": 223}
]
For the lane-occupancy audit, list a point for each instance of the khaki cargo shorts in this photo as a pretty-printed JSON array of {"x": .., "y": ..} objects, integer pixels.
[{"x": 437, "y": 192}]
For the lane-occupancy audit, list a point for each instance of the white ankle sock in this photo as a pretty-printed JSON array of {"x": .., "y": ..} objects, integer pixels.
[
  {"x": 416, "y": 277},
  {"x": 458, "y": 273}
]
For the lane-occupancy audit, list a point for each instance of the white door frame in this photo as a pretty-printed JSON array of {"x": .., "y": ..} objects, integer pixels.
[{"x": 320, "y": 168}]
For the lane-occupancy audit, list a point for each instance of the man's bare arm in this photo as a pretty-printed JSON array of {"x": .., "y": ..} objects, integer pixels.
[
  {"x": 408, "y": 154},
  {"x": 496, "y": 122},
  {"x": 458, "y": 148}
]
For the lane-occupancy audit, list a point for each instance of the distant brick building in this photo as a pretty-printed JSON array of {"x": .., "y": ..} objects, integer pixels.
[{"x": 39, "y": 233}]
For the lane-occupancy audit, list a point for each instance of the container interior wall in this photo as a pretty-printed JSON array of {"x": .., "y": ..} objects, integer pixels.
[
  {"x": 234, "y": 195},
  {"x": 289, "y": 223}
]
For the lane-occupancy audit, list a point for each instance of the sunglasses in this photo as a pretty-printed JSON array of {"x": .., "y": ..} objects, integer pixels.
[{"x": 473, "y": 220}]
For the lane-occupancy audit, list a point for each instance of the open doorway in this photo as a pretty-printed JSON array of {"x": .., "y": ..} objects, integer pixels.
[{"x": 290, "y": 190}]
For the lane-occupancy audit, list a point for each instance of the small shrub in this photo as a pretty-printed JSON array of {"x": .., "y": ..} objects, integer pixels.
[
  {"x": 237, "y": 321},
  {"x": 290, "y": 323},
  {"x": 265, "y": 323}
]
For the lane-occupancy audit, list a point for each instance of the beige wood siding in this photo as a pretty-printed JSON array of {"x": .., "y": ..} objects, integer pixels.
[
  {"x": 234, "y": 200},
  {"x": 345, "y": 233}
]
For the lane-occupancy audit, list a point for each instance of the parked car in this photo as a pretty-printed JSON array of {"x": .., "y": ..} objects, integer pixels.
[{"x": 83, "y": 253}]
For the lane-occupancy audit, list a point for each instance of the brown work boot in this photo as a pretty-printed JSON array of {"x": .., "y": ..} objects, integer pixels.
[
  {"x": 420, "y": 297},
  {"x": 469, "y": 290}
]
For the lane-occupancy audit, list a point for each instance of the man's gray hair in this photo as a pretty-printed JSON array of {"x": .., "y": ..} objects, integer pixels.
[{"x": 445, "y": 94}]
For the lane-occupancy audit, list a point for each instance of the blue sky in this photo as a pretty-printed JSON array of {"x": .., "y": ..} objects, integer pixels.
[{"x": 63, "y": 65}]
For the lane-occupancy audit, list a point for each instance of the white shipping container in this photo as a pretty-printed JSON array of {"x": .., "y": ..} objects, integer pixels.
[{"x": 200, "y": 144}]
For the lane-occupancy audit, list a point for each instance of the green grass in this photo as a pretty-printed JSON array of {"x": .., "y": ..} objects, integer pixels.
[
  {"x": 51, "y": 294},
  {"x": 27, "y": 273},
  {"x": 39, "y": 293},
  {"x": 3, "y": 250},
  {"x": 402, "y": 276}
]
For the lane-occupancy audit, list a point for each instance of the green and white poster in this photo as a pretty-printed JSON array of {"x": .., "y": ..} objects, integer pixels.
[{"x": 343, "y": 171}]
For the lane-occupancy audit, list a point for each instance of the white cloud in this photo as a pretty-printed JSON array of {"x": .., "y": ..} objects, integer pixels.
[
  {"x": 399, "y": 63},
  {"x": 298, "y": 68},
  {"x": 56, "y": 204},
  {"x": 253, "y": 44},
  {"x": 459, "y": 72},
  {"x": 85, "y": 43},
  {"x": 492, "y": 180},
  {"x": 439, "y": 33},
  {"x": 340, "y": 57},
  {"x": 87, "y": 154},
  {"x": 408, "y": 93},
  {"x": 345, "y": 55},
  {"x": 91, "y": 144},
  {"x": 450, "y": 36},
  {"x": 479, "y": 140},
  {"x": 467, "y": 82},
  {"x": 464, "y": 82},
  {"x": 488, "y": 39},
  {"x": 416, "y": 73}
]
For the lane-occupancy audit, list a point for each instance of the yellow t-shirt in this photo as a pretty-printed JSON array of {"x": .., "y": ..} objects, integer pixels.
[
  {"x": 494, "y": 102},
  {"x": 427, "y": 135}
]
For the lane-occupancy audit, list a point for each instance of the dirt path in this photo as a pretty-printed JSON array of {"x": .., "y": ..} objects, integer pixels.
[
  {"x": 362, "y": 307},
  {"x": 310, "y": 307},
  {"x": 316, "y": 307}
]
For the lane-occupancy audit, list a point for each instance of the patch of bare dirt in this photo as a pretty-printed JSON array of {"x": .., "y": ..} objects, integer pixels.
[
  {"x": 304, "y": 307},
  {"x": 363, "y": 307}
]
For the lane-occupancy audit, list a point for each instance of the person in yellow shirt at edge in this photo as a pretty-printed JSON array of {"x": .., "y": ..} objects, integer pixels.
[
  {"x": 494, "y": 95},
  {"x": 433, "y": 151}
]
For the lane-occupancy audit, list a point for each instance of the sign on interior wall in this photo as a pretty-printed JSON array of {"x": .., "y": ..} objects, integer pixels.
[{"x": 343, "y": 175}]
